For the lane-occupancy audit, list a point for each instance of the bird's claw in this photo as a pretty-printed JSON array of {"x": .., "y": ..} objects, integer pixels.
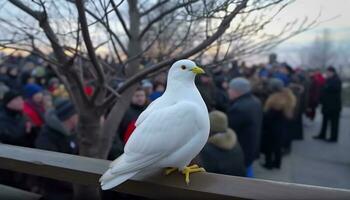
[{"x": 191, "y": 169}]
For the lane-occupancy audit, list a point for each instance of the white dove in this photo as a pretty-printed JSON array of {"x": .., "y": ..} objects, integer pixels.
[{"x": 169, "y": 133}]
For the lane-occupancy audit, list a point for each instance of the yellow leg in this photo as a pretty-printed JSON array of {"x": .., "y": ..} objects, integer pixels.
[
  {"x": 191, "y": 169},
  {"x": 170, "y": 170}
]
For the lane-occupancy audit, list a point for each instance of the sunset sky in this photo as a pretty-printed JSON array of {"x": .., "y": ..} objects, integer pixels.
[{"x": 334, "y": 16}]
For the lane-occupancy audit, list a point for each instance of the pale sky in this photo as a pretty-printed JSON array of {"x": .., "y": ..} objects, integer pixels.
[{"x": 335, "y": 16}]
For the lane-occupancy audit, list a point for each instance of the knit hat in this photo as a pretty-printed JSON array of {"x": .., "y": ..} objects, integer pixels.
[
  {"x": 218, "y": 122},
  {"x": 9, "y": 96},
  {"x": 64, "y": 110},
  {"x": 275, "y": 85},
  {"x": 241, "y": 85},
  {"x": 31, "y": 89}
]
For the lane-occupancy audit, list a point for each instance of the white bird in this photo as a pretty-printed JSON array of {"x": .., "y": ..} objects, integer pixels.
[{"x": 169, "y": 133}]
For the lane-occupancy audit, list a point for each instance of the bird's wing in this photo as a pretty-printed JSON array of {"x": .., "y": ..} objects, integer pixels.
[
  {"x": 151, "y": 107},
  {"x": 162, "y": 132}
]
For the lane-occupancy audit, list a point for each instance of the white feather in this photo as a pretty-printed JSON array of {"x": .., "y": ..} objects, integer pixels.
[{"x": 169, "y": 133}]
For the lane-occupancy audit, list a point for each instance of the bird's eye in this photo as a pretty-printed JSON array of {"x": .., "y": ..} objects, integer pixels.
[{"x": 183, "y": 67}]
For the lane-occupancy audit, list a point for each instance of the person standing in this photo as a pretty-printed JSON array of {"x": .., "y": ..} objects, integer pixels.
[
  {"x": 34, "y": 104},
  {"x": 34, "y": 110},
  {"x": 317, "y": 82},
  {"x": 222, "y": 154},
  {"x": 13, "y": 131},
  {"x": 58, "y": 134},
  {"x": 127, "y": 125},
  {"x": 331, "y": 105},
  {"x": 278, "y": 110},
  {"x": 13, "y": 126},
  {"x": 245, "y": 118}
]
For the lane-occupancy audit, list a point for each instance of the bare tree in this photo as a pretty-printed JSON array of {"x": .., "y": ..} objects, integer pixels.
[{"x": 75, "y": 31}]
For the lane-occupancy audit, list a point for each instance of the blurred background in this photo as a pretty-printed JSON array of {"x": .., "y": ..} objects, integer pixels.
[{"x": 76, "y": 74}]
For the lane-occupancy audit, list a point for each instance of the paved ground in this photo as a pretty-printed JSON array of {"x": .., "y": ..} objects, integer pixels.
[{"x": 316, "y": 162}]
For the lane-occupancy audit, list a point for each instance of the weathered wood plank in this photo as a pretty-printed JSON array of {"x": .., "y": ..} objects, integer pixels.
[{"x": 87, "y": 171}]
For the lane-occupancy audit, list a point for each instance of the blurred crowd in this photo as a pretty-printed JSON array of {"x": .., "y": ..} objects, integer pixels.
[{"x": 255, "y": 112}]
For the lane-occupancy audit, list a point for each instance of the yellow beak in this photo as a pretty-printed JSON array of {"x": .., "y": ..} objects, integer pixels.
[{"x": 197, "y": 70}]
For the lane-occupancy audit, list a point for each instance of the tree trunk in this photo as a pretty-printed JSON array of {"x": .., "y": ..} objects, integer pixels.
[
  {"x": 134, "y": 48},
  {"x": 91, "y": 141},
  {"x": 89, "y": 129},
  {"x": 112, "y": 122}
]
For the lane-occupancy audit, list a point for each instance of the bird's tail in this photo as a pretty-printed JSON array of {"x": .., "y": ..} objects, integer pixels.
[{"x": 108, "y": 180}]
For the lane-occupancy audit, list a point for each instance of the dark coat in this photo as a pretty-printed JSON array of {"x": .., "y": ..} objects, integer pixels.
[
  {"x": 127, "y": 124},
  {"x": 278, "y": 110},
  {"x": 245, "y": 118},
  {"x": 331, "y": 96},
  {"x": 222, "y": 101},
  {"x": 126, "y": 127},
  {"x": 208, "y": 93},
  {"x": 12, "y": 131},
  {"x": 223, "y": 155},
  {"x": 12, "y": 127},
  {"x": 54, "y": 137}
]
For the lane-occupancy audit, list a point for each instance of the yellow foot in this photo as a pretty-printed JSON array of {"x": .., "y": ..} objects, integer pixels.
[
  {"x": 191, "y": 169},
  {"x": 170, "y": 170}
]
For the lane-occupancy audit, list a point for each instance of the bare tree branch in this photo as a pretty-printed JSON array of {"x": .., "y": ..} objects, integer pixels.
[
  {"x": 122, "y": 21},
  {"x": 224, "y": 25},
  {"x": 160, "y": 3},
  {"x": 167, "y": 12},
  {"x": 86, "y": 36}
]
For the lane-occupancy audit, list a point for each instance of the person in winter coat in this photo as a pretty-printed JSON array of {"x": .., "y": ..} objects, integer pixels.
[
  {"x": 245, "y": 118},
  {"x": 34, "y": 106},
  {"x": 138, "y": 105},
  {"x": 13, "y": 80},
  {"x": 221, "y": 96},
  {"x": 222, "y": 154},
  {"x": 207, "y": 89},
  {"x": 13, "y": 130},
  {"x": 278, "y": 109},
  {"x": 13, "y": 125},
  {"x": 34, "y": 109},
  {"x": 331, "y": 105},
  {"x": 3, "y": 90},
  {"x": 58, "y": 135},
  {"x": 3, "y": 75},
  {"x": 317, "y": 82},
  {"x": 127, "y": 125},
  {"x": 159, "y": 89}
]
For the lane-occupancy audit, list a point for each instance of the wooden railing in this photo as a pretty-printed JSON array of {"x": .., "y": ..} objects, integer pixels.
[{"x": 83, "y": 170}]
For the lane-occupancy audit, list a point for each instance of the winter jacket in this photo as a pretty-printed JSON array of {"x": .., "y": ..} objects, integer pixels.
[
  {"x": 34, "y": 112},
  {"x": 126, "y": 127},
  {"x": 54, "y": 137},
  {"x": 223, "y": 155},
  {"x": 315, "y": 90},
  {"x": 127, "y": 124},
  {"x": 331, "y": 96},
  {"x": 12, "y": 127},
  {"x": 245, "y": 118},
  {"x": 278, "y": 109}
]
